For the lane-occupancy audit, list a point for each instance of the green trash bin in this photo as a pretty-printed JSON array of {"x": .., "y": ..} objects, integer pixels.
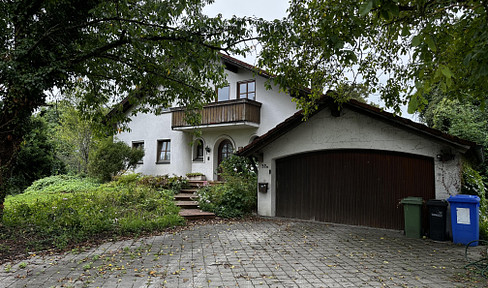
[{"x": 412, "y": 207}]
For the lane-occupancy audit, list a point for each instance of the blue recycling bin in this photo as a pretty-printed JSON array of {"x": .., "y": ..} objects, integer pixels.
[{"x": 465, "y": 218}]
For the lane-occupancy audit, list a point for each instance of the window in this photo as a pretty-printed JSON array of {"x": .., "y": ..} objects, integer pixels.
[
  {"x": 223, "y": 94},
  {"x": 198, "y": 152},
  {"x": 138, "y": 145},
  {"x": 246, "y": 89},
  {"x": 164, "y": 151}
]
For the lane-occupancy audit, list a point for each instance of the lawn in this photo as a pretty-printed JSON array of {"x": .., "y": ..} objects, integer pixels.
[{"x": 60, "y": 212}]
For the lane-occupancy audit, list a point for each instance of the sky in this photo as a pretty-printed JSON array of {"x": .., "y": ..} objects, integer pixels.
[
  {"x": 269, "y": 10},
  {"x": 266, "y": 9}
]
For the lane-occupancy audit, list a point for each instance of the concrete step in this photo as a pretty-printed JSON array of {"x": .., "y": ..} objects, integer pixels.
[
  {"x": 189, "y": 190},
  {"x": 196, "y": 214},
  {"x": 185, "y": 196},
  {"x": 187, "y": 204},
  {"x": 200, "y": 184}
]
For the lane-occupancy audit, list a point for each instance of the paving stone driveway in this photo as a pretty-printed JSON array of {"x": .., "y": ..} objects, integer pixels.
[{"x": 264, "y": 253}]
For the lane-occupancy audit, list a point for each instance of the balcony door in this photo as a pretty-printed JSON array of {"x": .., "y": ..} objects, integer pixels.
[{"x": 225, "y": 150}]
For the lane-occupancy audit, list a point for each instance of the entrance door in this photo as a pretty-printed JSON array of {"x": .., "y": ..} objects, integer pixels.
[{"x": 225, "y": 150}]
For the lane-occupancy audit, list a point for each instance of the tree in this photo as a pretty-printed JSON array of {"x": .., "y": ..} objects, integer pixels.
[
  {"x": 463, "y": 119},
  {"x": 400, "y": 49},
  {"x": 36, "y": 157},
  {"x": 111, "y": 158},
  {"x": 110, "y": 50},
  {"x": 76, "y": 137}
]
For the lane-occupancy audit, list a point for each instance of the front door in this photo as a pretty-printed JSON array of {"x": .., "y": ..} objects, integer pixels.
[{"x": 225, "y": 150}]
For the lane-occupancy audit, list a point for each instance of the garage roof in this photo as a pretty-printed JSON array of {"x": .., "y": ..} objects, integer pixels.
[{"x": 474, "y": 150}]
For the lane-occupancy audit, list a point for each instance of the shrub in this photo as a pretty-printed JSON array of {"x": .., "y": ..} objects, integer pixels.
[
  {"x": 110, "y": 158},
  {"x": 174, "y": 183},
  {"x": 237, "y": 196},
  {"x": 120, "y": 207},
  {"x": 62, "y": 184},
  {"x": 472, "y": 184}
]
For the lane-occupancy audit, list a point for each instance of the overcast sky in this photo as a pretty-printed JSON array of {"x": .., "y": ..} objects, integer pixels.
[
  {"x": 266, "y": 9},
  {"x": 269, "y": 10}
]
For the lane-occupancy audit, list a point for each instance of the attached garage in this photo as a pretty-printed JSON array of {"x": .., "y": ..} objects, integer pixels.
[
  {"x": 358, "y": 187},
  {"x": 355, "y": 166}
]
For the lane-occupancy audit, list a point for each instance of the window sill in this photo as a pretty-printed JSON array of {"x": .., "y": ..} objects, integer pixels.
[{"x": 165, "y": 162}]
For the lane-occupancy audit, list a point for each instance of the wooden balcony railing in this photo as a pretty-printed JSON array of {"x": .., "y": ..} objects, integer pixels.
[{"x": 238, "y": 112}]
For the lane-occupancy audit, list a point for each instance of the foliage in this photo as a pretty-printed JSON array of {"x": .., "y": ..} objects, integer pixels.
[
  {"x": 237, "y": 196},
  {"x": 107, "y": 50},
  {"x": 112, "y": 158},
  {"x": 61, "y": 184},
  {"x": 55, "y": 217},
  {"x": 194, "y": 174},
  {"x": 36, "y": 158},
  {"x": 400, "y": 49},
  {"x": 173, "y": 183},
  {"x": 76, "y": 137},
  {"x": 472, "y": 182}
]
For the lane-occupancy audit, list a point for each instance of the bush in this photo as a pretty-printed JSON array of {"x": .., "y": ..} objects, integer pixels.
[
  {"x": 58, "y": 218},
  {"x": 174, "y": 183},
  {"x": 237, "y": 196},
  {"x": 62, "y": 184},
  {"x": 111, "y": 158},
  {"x": 472, "y": 184}
]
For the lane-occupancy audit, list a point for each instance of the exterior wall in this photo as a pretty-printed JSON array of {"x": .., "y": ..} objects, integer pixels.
[
  {"x": 149, "y": 128},
  {"x": 353, "y": 130}
]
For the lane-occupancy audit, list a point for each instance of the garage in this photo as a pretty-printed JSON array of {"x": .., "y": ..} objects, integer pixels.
[
  {"x": 354, "y": 165},
  {"x": 358, "y": 187}
]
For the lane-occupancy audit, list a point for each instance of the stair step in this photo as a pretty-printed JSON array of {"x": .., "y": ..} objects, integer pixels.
[
  {"x": 187, "y": 204},
  {"x": 189, "y": 190},
  {"x": 195, "y": 214},
  {"x": 185, "y": 196}
]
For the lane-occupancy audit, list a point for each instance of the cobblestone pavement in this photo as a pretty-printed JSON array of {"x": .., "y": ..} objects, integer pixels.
[{"x": 265, "y": 253}]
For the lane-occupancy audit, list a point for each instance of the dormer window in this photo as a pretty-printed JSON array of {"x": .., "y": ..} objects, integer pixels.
[
  {"x": 223, "y": 94},
  {"x": 246, "y": 89}
]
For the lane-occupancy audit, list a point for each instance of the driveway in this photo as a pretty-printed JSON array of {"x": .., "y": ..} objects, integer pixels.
[{"x": 255, "y": 253}]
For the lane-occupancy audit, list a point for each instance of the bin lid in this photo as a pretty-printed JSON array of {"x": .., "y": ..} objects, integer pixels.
[
  {"x": 437, "y": 202},
  {"x": 461, "y": 198},
  {"x": 412, "y": 200}
]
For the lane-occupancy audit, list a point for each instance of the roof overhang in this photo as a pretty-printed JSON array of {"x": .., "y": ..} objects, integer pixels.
[{"x": 469, "y": 148}]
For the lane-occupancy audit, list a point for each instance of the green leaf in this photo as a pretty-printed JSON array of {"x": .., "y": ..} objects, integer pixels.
[
  {"x": 413, "y": 104},
  {"x": 416, "y": 40},
  {"x": 446, "y": 71},
  {"x": 430, "y": 42},
  {"x": 365, "y": 8},
  {"x": 405, "y": 30}
]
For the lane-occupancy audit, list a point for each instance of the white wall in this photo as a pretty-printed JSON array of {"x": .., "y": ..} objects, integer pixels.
[
  {"x": 354, "y": 131},
  {"x": 149, "y": 128}
]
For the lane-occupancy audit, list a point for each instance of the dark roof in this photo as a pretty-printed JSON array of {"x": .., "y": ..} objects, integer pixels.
[{"x": 363, "y": 108}]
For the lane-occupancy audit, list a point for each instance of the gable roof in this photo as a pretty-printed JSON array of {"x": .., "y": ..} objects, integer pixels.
[
  {"x": 327, "y": 101},
  {"x": 230, "y": 63}
]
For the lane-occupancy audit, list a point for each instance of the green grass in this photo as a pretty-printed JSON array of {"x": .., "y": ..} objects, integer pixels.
[{"x": 60, "y": 211}]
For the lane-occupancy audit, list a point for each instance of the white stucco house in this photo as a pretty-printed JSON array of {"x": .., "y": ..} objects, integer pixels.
[
  {"x": 242, "y": 111},
  {"x": 350, "y": 166}
]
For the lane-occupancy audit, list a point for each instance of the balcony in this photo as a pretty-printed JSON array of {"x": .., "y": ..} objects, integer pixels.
[{"x": 238, "y": 113}]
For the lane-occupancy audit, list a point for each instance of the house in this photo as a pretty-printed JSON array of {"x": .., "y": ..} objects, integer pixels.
[
  {"x": 354, "y": 165},
  {"x": 241, "y": 112}
]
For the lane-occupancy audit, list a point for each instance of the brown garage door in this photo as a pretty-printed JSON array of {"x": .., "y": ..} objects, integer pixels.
[{"x": 358, "y": 187}]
